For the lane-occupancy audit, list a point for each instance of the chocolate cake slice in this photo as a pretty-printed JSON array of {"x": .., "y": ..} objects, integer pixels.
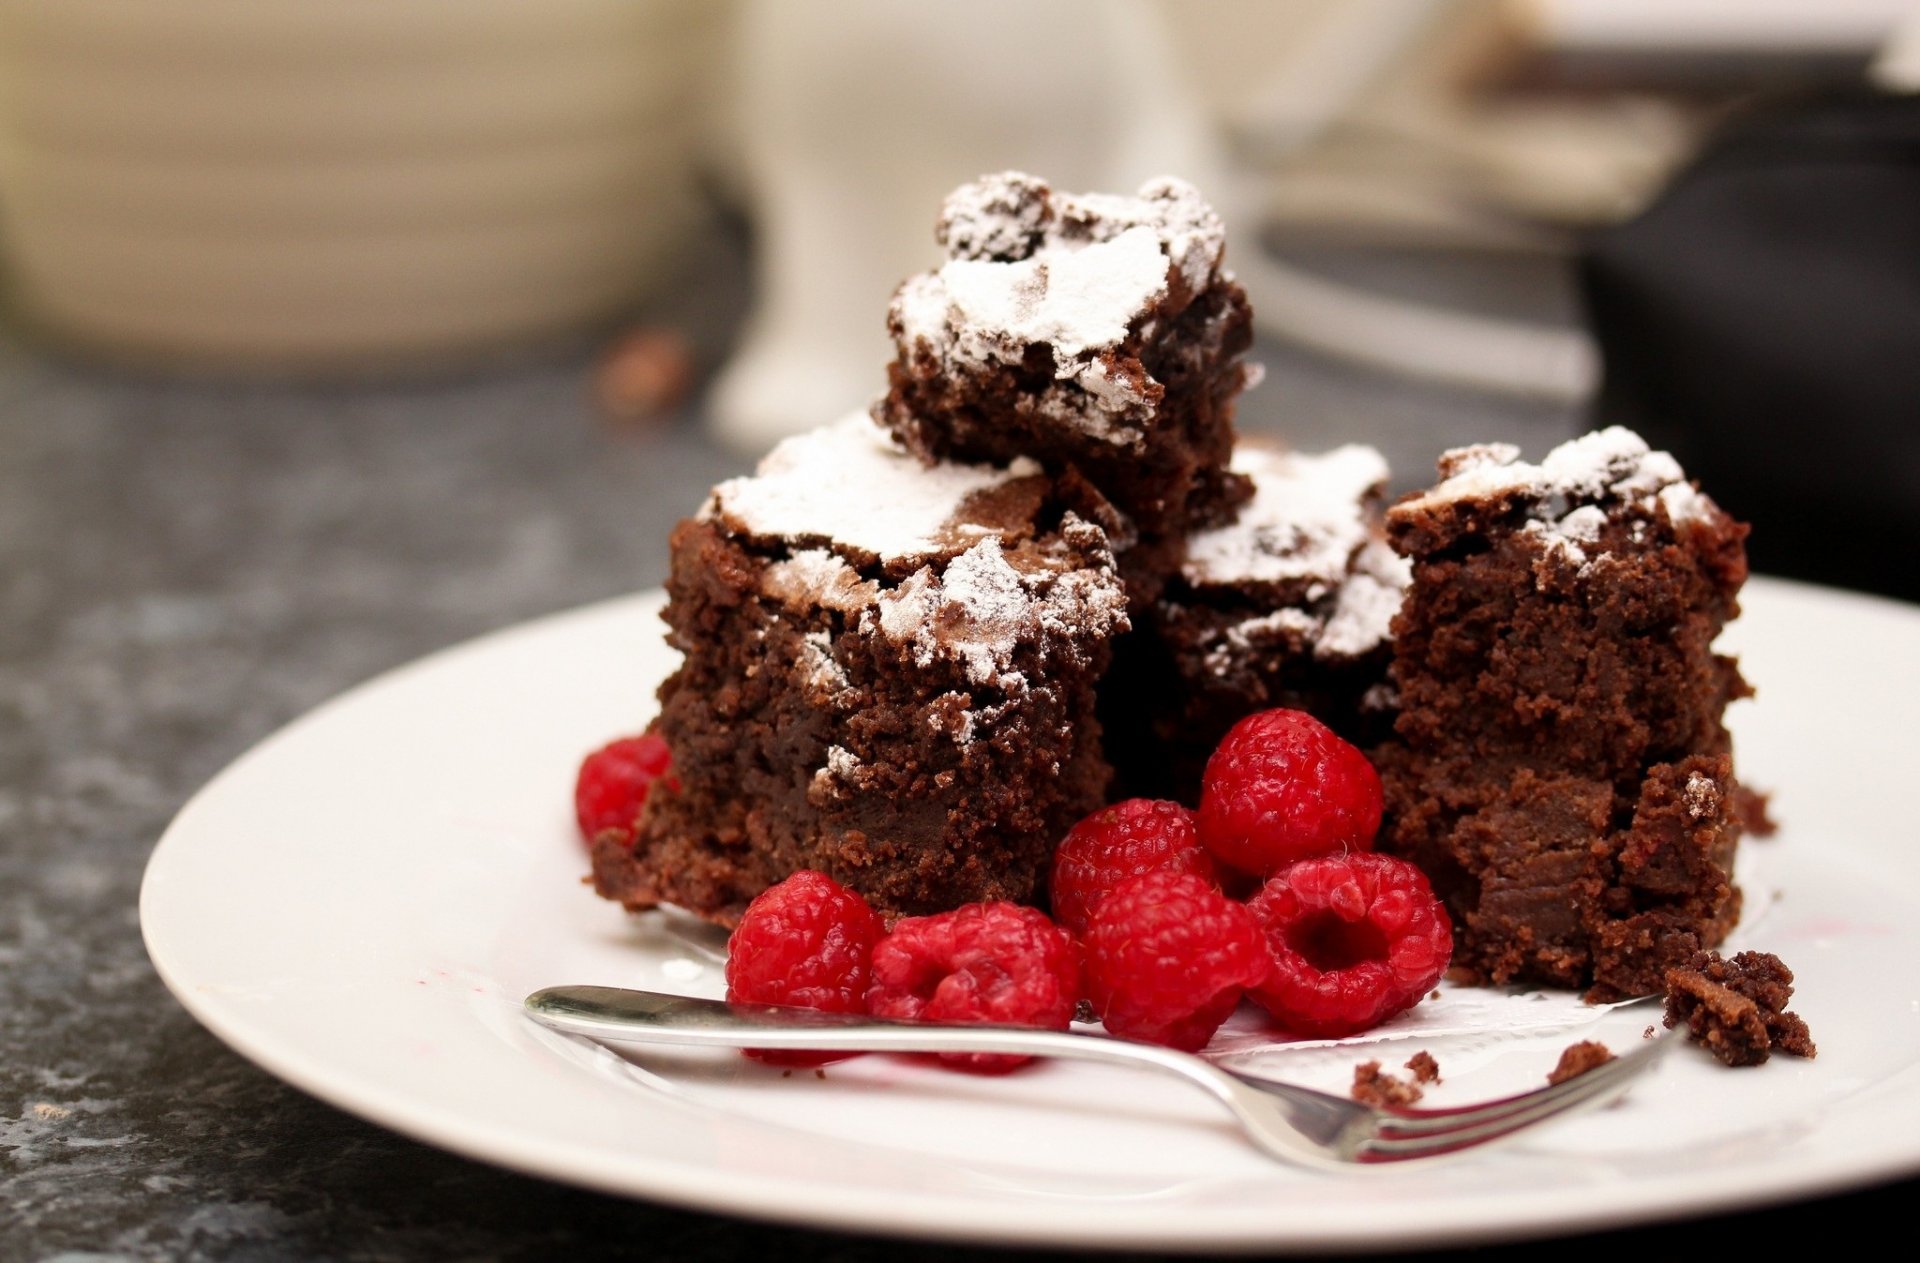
[
  {"x": 889, "y": 677},
  {"x": 1288, "y": 605},
  {"x": 1561, "y": 772},
  {"x": 1094, "y": 332}
]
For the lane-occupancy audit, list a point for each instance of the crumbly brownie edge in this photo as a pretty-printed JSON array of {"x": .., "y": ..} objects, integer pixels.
[{"x": 1559, "y": 700}]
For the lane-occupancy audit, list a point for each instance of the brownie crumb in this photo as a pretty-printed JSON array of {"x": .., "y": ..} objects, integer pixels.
[
  {"x": 1647, "y": 1034},
  {"x": 1435, "y": 994},
  {"x": 1754, "y": 808},
  {"x": 1373, "y": 1086},
  {"x": 1577, "y": 1059},
  {"x": 1737, "y": 1007},
  {"x": 819, "y": 1074},
  {"x": 1425, "y": 1068}
]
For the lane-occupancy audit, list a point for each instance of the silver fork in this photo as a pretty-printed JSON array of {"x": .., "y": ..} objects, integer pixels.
[{"x": 1287, "y": 1122}]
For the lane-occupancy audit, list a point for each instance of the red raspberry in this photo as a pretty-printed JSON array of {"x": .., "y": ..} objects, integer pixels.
[
  {"x": 1355, "y": 939},
  {"x": 1168, "y": 957},
  {"x": 807, "y": 942},
  {"x": 983, "y": 962},
  {"x": 614, "y": 780},
  {"x": 1140, "y": 835},
  {"x": 1282, "y": 787}
]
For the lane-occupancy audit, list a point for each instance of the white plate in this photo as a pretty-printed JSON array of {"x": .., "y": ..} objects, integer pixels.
[{"x": 360, "y": 902}]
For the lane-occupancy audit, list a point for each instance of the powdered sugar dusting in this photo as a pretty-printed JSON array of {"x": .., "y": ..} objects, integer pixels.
[
  {"x": 1311, "y": 529},
  {"x": 1028, "y": 266},
  {"x": 1354, "y": 621},
  {"x": 990, "y": 602},
  {"x": 1289, "y": 625},
  {"x": 1077, "y": 300},
  {"x": 1572, "y": 487},
  {"x": 1012, "y": 215},
  {"x": 1459, "y": 461},
  {"x": 1702, "y": 796},
  {"x": 1308, "y": 517},
  {"x": 1363, "y": 613},
  {"x": 814, "y": 576},
  {"x": 822, "y": 670},
  {"x": 1561, "y": 546},
  {"x": 982, "y": 608},
  {"x": 961, "y": 722},
  {"x": 1684, "y": 503},
  {"x": 850, "y": 483}
]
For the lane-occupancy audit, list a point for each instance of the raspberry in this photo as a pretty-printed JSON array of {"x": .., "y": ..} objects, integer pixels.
[
  {"x": 1354, "y": 939},
  {"x": 806, "y": 942},
  {"x": 983, "y": 962},
  {"x": 1282, "y": 787},
  {"x": 1168, "y": 957},
  {"x": 614, "y": 780},
  {"x": 1140, "y": 835}
]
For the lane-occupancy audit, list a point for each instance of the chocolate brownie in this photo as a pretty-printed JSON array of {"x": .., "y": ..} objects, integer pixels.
[
  {"x": 1095, "y": 332},
  {"x": 889, "y": 677},
  {"x": 1287, "y": 605},
  {"x": 1737, "y": 1008},
  {"x": 1560, "y": 769}
]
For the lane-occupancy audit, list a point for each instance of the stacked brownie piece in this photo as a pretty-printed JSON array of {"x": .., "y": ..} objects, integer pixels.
[{"x": 1094, "y": 334}]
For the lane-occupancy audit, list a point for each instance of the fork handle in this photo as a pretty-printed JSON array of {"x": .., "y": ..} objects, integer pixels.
[
  {"x": 1294, "y": 1124},
  {"x": 622, "y": 1015}
]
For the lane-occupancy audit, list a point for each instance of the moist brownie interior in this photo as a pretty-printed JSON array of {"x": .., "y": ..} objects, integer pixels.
[{"x": 1559, "y": 766}]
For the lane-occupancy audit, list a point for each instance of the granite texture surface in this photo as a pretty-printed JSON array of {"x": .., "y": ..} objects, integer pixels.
[{"x": 183, "y": 569}]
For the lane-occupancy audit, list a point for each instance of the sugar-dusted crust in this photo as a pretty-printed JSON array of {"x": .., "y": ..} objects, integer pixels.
[
  {"x": 1561, "y": 772},
  {"x": 1092, "y": 332},
  {"x": 908, "y": 709},
  {"x": 1289, "y": 604}
]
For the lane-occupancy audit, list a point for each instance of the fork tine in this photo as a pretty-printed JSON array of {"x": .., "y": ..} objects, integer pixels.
[
  {"x": 1401, "y": 1136},
  {"x": 1541, "y": 1101}
]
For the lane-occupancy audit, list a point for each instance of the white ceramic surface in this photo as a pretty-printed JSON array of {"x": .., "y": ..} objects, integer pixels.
[
  {"x": 359, "y": 903},
  {"x": 343, "y": 184}
]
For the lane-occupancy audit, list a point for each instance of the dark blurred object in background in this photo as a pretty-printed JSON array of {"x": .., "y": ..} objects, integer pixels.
[{"x": 1762, "y": 321}]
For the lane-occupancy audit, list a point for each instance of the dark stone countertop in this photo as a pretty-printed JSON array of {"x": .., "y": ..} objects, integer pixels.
[{"x": 183, "y": 569}]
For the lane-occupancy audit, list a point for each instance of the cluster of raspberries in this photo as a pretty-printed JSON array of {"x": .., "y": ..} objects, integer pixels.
[{"x": 1146, "y": 927}]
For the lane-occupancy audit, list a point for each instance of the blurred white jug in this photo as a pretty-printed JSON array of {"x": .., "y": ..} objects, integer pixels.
[{"x": 856, "y": 117}]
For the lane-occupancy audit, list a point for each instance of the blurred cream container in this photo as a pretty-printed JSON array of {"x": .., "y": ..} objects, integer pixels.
[{"x": 343, "y": 185}]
